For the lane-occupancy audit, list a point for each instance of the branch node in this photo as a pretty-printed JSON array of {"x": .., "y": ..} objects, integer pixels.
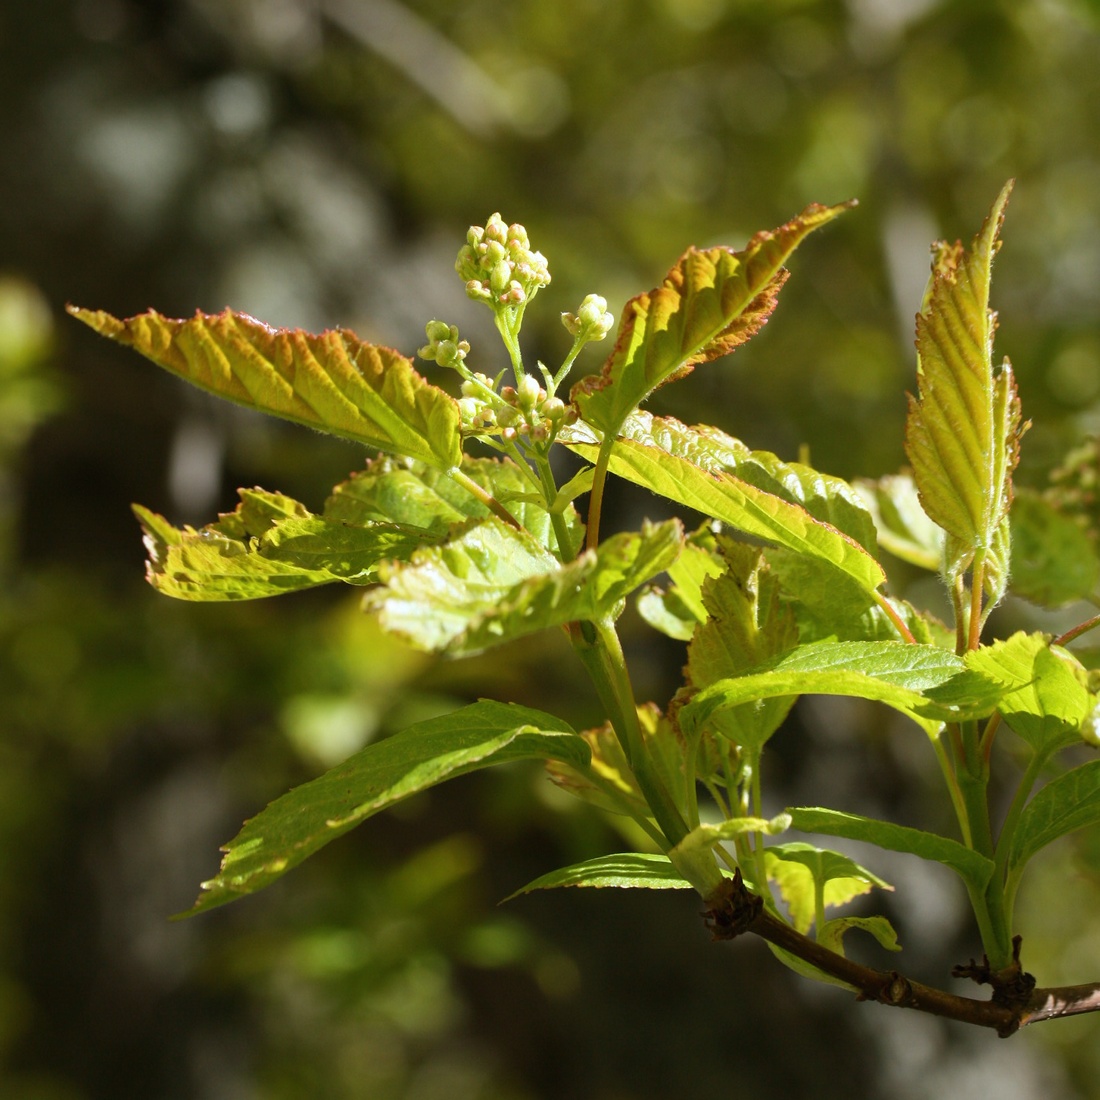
[
  {"x": 1012, "y": 986},
  {"x": 733, "y": 909},
  {"x": 896, "y": 991}
]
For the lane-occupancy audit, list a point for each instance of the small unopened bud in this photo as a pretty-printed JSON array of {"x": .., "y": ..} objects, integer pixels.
[
  {"x": 553, "y": 408},
  {"x": 528, "y": 392},
  {"x": 591, "y": 322}
]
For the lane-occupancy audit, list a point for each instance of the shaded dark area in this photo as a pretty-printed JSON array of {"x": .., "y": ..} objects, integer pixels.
[{"x": 316, "y": 163}]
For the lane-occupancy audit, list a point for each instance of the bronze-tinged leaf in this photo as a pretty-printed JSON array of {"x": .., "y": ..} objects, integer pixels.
[
  {"x": 710, "y": 303},
  {"x": 964, "y": 428},
  {"x": 333, "y": 381}
]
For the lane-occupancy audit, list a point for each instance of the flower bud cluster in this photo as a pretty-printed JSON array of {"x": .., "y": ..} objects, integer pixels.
[
  {"x": 498, "y": 265},
  {"x": 444, "y": 347},
  {"x": 524, "y": 409},
  {"x": 591, "y": 322}
]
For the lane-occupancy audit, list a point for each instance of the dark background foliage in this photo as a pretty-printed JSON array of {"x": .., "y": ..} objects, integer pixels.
[{"x": 316, "y": 162}]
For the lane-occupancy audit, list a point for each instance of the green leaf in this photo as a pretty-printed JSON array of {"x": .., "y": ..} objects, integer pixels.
[
  {"x": 1054, "y": 561},
  {"x": 685, "y": 465},
  {"x": 710, "y": 303},
  {"x": 678, "y": 611},
  {"x": 268, "y": 546},
  {"x": 627, "y": 870},
  {"x": 418, "y": 496},
  {"x": 902, "y": 525},
  {"x": 1064, "y": 805},
  {"x": 833, "y": 932},
  {"x": 797, "y": 867},
  {"x": 963, "y": 431},
  {"x": 927, "y": 683},
  {"x": 333, "y": 381},
  {"x": 491, "y": 584},
  {"x": 1047, "y": 700},
  {"x": 305, "y": 819},
  {"x": 971, "y": 865},
  {"x": 706, "y": 836},
  {"x": 747, "y": 627}
]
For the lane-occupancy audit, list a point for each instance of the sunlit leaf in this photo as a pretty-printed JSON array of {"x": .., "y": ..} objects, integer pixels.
[
  {"x": 971, "y": 865},
  {"x": 492, "y": 583},
  {"x": 707, "y": 836},
  {"x": 399, "y": 491},
  {"x": 682, "y": 464},
  {"x": 1047, "y": 700},
  {"x": 296, "y": 825},
  {"x": 333, "y": 381},
  {"x": 798, "y": 868},
  {"x": 679, "y": 610},
  {"x": 926, "y": 683},
  {"x": 711, "y": 302},
  {"x": 608, "y": 781},
  {"x": 627, "y": 870},
  {"x": 833, "y": 932},
  {"x": 963, "y": 430},
  {"x": 268, "y": 546},
  {"x": 747, "y": 627}
]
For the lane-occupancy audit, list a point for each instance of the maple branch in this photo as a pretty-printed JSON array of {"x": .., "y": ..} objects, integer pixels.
[{"x": 1016, "y": 1002}]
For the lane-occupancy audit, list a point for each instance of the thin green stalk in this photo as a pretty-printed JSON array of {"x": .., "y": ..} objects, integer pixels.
[
  {"x": 566, "y": 548},
  {"x": 952, "y": 783},
  {"x": 603, "y": 658},
  {"x": 595, "y": 497},
  {"x": 1008, "y": 830},
  {"x": 819, "y": 907},
  {"x": 894, "y": 617},
  {"x": 977, "y": 583},
  {"x": 485, "y": 497}
]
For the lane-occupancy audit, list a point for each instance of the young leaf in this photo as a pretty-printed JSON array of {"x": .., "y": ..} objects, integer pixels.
[
  {"x": 296, "y": 825},
  {"x": 678, "y": 611},
  {"x": 902, "y": 525},
  {"x": 627, "y": 870},
  {"x": 401, "y": 492},
  {"x": 971, "y": 865},
  {"x": 268, "y": 546},
  {"x": 1065, "y": 804},
  {"x": 1046, "y": 700},
  {"x": 1054, "y": 562},
  {"x": 747, "y": 627},
  {"x": 739, "y": 503},
  {"x": 617, "y": 789},
  {"x": 833, "y": 932},
  {"x": 799, "y": 868},
  {"x": 333, "y": 381},
  {"x": 710, "y": 303},
  {"x": 963, "y": 431},
  {"x": 706, "y": 836},
  {"x": 925, "y": 683},
  {"x": 491, "y": 584}
]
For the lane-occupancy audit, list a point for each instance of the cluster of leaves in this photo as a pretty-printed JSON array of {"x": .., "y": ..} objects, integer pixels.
[{"x": 464, "y": 540}]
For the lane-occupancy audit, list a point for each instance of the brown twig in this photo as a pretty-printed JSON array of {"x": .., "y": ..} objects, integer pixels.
[{"x": 1016, "y": 1002}]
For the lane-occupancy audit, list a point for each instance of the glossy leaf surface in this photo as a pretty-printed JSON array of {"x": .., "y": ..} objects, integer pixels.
[
  {"x": 491, "y": 584},
  {"x": 963, "y": 429},
  {"x": 269, "y": 545},
  {"x": 971, "y": 865},
  {"x": 296, "y": 825},
  {"x": 333, "y": 382},
  {"x": 710, "y": 303}
]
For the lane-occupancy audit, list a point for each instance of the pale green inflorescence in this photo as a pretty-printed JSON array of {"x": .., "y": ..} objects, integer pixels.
[{"x": 498, "y": 265}]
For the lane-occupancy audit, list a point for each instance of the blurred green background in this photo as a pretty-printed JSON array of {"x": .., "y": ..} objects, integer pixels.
[{"x": 316, "y": 162}]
